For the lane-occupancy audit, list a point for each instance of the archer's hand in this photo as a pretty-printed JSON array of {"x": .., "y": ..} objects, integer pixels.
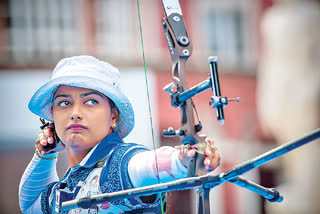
[
  {"x": 212, "y": 155},
  {"x": 46, "y": 142}
]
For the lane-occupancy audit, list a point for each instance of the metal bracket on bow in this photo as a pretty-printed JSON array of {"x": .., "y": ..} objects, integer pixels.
[{"x": 180, "y": 50}]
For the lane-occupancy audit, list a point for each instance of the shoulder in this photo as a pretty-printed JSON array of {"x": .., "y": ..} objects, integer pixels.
[
  {"x": 124, "y": 151},
  {"x": 115, "y": 167}
]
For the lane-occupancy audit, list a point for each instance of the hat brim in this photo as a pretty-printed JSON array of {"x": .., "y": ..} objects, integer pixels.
[{"x": 41, "y": 102}]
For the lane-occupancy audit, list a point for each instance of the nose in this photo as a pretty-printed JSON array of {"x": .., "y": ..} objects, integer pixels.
[
  {"x": 76, "y": 117},
  {"x": 76, "y": 113}
]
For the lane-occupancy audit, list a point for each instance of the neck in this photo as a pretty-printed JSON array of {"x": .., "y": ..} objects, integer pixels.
[{"x": 75, "y": 157}]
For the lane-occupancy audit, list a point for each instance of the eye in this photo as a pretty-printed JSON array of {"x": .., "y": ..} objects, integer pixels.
[
  {"x": 63, "y": 103},
  {"x": 91, "y": 102}
]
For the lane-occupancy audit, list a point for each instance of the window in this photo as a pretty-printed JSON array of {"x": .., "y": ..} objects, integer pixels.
[{"x": 42, "y": 29}]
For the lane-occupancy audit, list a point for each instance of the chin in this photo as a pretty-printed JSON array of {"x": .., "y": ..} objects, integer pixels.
[
  {"x": 75, "y": 140},
  {"x": 79, "y": 142}
]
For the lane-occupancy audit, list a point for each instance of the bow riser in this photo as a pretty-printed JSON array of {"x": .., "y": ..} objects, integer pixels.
[{"x": 180, "y": 49}]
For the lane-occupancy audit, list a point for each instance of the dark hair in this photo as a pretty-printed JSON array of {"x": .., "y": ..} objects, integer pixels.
[{"x": 112, "y": 105}]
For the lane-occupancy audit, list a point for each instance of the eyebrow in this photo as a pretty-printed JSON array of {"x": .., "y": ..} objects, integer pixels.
[
  {"x": 82, "y": 95},
  {"x": 89, "y": 93},
  {"x": 62, "y": 95}
]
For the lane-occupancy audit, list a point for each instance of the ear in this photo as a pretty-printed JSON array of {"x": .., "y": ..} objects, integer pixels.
[{"x": 115, "y": 115}]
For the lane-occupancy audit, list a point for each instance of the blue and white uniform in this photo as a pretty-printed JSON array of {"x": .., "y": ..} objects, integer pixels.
[{"x": 109, "y": 167}]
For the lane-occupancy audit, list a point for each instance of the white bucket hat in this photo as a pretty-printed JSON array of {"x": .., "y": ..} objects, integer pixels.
[{"x": 85, "y": 72}]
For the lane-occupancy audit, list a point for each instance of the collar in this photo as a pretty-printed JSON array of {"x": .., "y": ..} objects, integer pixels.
[{"x": 98, "y": 152}]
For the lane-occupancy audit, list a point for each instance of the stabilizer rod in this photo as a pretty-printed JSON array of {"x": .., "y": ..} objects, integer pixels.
[{"x": 207, "y": 181}]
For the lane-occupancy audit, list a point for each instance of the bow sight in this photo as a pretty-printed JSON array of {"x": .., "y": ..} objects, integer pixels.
[{"x": 217, "y": 101}]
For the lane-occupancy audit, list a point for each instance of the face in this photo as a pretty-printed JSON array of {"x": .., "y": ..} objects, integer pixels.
[{"x": 82, "y": 117}]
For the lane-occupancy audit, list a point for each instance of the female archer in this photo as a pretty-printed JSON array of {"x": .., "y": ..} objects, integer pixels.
[{"x": 91, "y": 116}]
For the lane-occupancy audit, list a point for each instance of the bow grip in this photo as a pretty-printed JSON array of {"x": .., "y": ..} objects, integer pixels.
[{"x": 196, "y": 166}]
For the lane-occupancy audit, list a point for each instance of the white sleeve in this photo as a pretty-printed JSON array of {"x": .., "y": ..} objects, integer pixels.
[
  {"x": 35, "y": 178},
  {"x": 143, "y": 167}
]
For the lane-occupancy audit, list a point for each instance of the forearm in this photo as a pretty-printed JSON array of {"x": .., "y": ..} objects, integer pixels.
[
  {"x": 36, "y": 177},
  {"x": 144, "y": 167}
]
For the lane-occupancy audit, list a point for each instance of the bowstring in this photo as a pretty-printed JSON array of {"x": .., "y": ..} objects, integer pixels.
[{"x": 149, "y": 103}]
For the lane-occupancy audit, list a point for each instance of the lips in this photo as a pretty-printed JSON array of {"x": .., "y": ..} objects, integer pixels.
[{"x": 76, "y": 127}]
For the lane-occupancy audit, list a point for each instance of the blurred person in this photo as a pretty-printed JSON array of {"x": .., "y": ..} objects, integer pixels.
[
  {"x": 289, "y": 97},
  {"x": 91, "y": 116}
]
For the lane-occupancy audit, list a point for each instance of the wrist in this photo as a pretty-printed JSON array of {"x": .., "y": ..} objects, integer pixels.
[
  {"x": 179, "y": 166},
  {"x": 48, "y": 156},
  {"x": 184, "y": 160}
]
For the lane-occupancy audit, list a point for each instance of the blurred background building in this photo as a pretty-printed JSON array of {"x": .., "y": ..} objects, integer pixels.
[{"x": 35, "y": 34}]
